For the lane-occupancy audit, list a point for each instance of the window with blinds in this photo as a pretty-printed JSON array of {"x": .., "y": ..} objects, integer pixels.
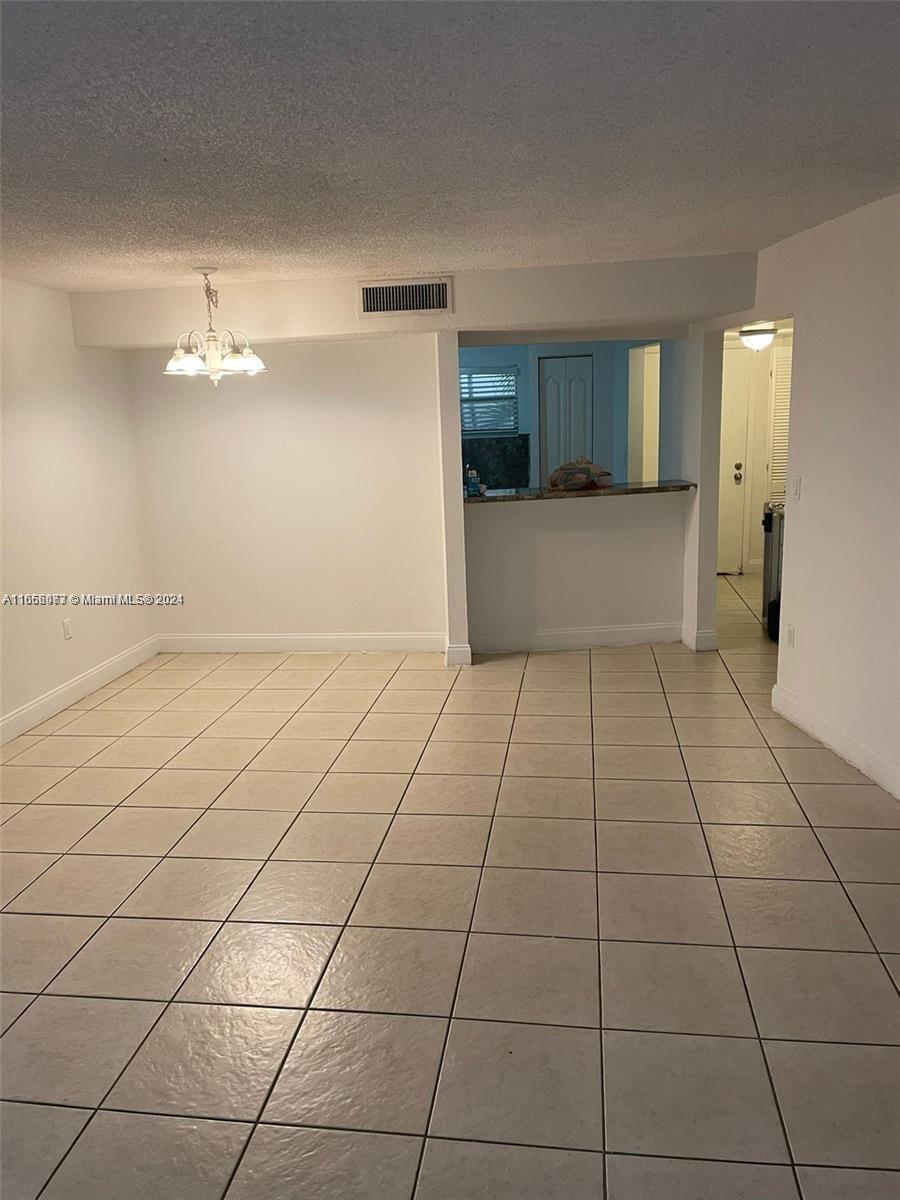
[
  {"x": 489, "y": 402},
  {"x": 780, "y": 411}
]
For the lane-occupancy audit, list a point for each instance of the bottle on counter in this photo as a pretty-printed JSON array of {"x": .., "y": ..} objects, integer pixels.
[{"x": 472, "y": 482}]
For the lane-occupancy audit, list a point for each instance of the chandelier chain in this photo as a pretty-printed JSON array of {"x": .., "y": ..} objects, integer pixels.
[{"x": 212, "y": 298}]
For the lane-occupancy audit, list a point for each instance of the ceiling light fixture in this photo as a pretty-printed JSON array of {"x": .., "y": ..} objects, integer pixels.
[
  {"x": 758, "y": 338},
  {"x": 215, "y": 355}
]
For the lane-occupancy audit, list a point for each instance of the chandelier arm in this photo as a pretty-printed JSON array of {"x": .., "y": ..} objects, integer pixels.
[{"x": 198, "y": 347}]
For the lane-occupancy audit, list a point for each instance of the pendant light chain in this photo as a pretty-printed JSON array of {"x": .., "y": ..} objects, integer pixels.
[{"x": 212, "y": 297}]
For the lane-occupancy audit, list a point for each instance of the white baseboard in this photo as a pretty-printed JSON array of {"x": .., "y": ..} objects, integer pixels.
[
  {"x": 703, "y": 639},
  {"x": 205, "y": 644},
  {"x": 54, "y": 701},
  {"x": 871, "y": 762},
  {"x": 578, "y": 638},
  {"x": 459, "y": 655}
]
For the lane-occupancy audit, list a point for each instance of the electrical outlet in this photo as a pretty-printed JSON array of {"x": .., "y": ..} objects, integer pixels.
[
  {"x": 67, "y": 630},
  {"x": 789, "y": 637},
  {"x": 795, "y": 490}
]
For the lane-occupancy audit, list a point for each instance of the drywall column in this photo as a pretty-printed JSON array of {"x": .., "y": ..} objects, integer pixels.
[
  {"x": 458, "y": 651},
  {"x": 690, "y": 411}
]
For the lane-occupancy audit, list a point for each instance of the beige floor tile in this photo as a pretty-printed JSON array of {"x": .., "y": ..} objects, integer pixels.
[
  {"x": 625, "y": 681},
  {"x": 360, "y": 1070},
  {"x": 556, "y": 681},
  {"x": 218, "y": 753},
  {"x": 96, "y": 698},
  {"x": 442, "y": 841},
  {"x": 18, "y": 870},
  {"x": 759, "y": 706},
  {"x": 191, "y": 889},
  {"x": 314, "y": 660},
  {"x": 561, "y": 762},
  {"x": 718, "y": 731},
  {"x": 152, "y": 831},
  {"x": 424, "y": 681},
  {"x": 452, "y": 1168},
  {"x": 169, "y": 724},
  {"x": 231, "y": 833},
  {"x": 388, "y": 727},
  {"x": 265, "y": 964},
  {"x": 783, "y": 735},
  {"x": 848, "y": 805},
  {"x": 738, "y": 661},
  {"x": 462, "y": 758},
  {"x": 792, "y": 912},
  {"x": 147, "y": 700},
  {"x": 731, "y": 765},
  {"x": 643, "y": 649},
  {"x": 370, "y": 791},
  {"x": 334, "y": 837},
  {"x": 747, "y": 804},
  {"x": 423, "y": 660},
  {"x": 55, "y": 723},
  {"x": 66, "y": 1050},
  {"x": 246, "y": 725},
  {"x": 343, "y": 678},
  {"x": 35, "y": 1138},
  {"x": 503, "y": 661},
  {"x": 58, "y": 750},
  {"x": 554, "y": 729},
  {"x": 9, "y": 810},
  {"x": 229, "y": 677},
  {"x": 34, "y": 948},
  {"x": 674, "y": 989},
  {"x": 394, "y": 757},
  {"x": 817, "y": 766},
  {"x": 767, "y": 852},
  {"x": 535, "y": 1084},
  {"x": 215, "y": 700},
  {"x": 92, "y": 723},
  {"x": 317, "y": 726},
  {"x": 289, "y": 754},
  {"x": 25, "y": 742},
  {"x": 229, "y": 1056},
  {"x": 661, "y": 908},
  {"x": 644, "y": 800},
  {"x": 374, "y": 660},
  {"x": 638, "y": 762},
  {"x": 21, "y": 785},
  {"x": 864, "y": 855},
  {"x": 338, "y": 700},
  {"x": 170, "y": 679},
  {"x": 558, "y": 660},
  {"x": 451, "y": 795},
  {"x": 697, "y": 705},
  {"x": 707, "y": 662},
  {"x": 491, "y": 680},
  {"x": 49, "y": 829},
  {"x": 540, "y": 902},
  {"x": 134, "y": 959},
  {"x": 878, "y": 905},
  {"x": 628, "y": 704},
  {"x": 601, "y": 663},
  {"x": 417, "y": 897},
  {"x": 697, "y": 681},
  {"x": 83, "y": 885},
  {"x": 96, "y": 785},
  {"x": 551, "y": 843},
  {"x": 196, "y": 662},
  {"x": 754, "y": 681},
  {"x": 634, "y": 731},
  {"x": 465, "y": 727},
  {"x": 140, "y": 752},
  {"x": 542, "y": 704},
  {"x": 277, "y": 700},
  {"x": 653, "y": 848},
  {"x": 410, "y": 702},
  {"x": 551, "y": 981},
  {"x": 315, "y": 893},
  {"x": 545, "y": 797},
  {"x": 171, "y": 788},
  {"x": 393, "y": 971},
  {"x": 296, "y": 680},
  {"x": 285, "y": 791}
]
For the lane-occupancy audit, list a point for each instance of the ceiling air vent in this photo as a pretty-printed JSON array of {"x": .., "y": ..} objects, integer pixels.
[{"x": 380, "y": 298}]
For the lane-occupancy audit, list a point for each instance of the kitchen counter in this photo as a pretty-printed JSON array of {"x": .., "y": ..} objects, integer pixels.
[{"x": 639, "y": 488}]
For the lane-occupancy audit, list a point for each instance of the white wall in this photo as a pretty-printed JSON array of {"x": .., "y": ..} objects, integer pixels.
[
  {"x": 842, "y": 536},
  {"x": 302, "y": 506},
  {"x": 70, "y": 504},
  {"x": 562, "y": 573}
]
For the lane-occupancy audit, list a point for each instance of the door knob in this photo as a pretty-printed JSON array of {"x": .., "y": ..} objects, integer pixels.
[
  {"x": 738, "y": 466},
  {"x": 738, "y": 477}
]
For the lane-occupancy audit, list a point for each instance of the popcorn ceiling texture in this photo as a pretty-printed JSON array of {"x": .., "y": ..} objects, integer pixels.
[{"x": 283, "y": 140}]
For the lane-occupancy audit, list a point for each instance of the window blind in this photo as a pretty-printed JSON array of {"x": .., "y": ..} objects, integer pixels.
[
  {"x": 489, "y": 402},
  {"x": 778, "y": 429}
]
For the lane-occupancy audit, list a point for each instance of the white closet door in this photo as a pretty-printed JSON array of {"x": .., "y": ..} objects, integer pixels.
[{"x": 566, "y": 411}]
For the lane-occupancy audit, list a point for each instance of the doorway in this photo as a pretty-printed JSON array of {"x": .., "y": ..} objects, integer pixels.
[
  {"x": 566, "y": 411},
  {"x": 756, "y": 388}
]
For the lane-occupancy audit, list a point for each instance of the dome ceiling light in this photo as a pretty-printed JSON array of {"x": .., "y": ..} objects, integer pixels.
[
  {"x": 215, "y": 355},
  {"x": 758, "y": 337}
]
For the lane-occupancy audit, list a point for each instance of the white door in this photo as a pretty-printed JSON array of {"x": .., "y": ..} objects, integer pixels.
[
  {"x": 736, "y": 379},
  {"x": 566, "y": 411}
]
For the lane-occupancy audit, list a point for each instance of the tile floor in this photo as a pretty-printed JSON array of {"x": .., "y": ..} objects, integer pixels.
[{"x": 357, "y": 927}]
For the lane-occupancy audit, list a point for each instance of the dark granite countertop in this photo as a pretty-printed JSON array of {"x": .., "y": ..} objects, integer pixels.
[{"x": 638, "y": 488}]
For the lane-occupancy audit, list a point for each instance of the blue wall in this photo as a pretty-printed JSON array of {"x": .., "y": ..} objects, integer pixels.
[{"x": 610, "y": 384}]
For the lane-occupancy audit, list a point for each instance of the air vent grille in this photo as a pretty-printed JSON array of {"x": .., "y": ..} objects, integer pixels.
[{"x": 407, "y": 295}]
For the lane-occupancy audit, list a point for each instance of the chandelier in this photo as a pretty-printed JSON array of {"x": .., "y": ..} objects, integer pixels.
[{"x": 215, "y": 355}]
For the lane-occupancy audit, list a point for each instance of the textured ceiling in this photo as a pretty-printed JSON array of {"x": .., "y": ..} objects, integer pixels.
[{"x": 283, "y": 140}]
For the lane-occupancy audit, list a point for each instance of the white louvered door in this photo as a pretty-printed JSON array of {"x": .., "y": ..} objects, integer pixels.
[{"x": 779, "y": 421}]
